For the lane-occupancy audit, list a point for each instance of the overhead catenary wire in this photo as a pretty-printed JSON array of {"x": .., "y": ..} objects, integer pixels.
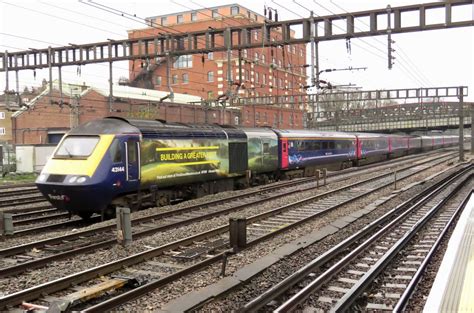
[{"x": 420, "y": 79}]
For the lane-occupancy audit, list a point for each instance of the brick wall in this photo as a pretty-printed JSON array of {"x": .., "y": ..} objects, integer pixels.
[{"x": 33, "y": 125}]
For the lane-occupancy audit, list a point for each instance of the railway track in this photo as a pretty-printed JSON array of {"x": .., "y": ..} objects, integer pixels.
[
  {"x": 197, "y": 249},
  {"x": 14, "y": 201},
  {"x": 18, "y": 191},
  {"x": 371, "y": 269},
  {"x": 64, "y": 246},
  {"x": 26, "y": 216}
]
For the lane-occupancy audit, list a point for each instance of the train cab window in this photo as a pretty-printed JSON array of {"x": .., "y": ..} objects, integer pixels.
[
  {"x": 77, "y": 147},
  {"x": 115, "y": 152},
  {"x": 325, "y": 145},
  {"x": 266, "y": 148}
]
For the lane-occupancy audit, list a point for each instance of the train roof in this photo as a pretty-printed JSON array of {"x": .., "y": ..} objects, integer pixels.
[
  {"x": 155, "y": 129},
  {"x": 104, "y": 126},
  {"x": 292, "y": 133}
]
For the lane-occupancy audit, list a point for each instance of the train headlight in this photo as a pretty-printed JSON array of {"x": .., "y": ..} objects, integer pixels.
[
  {"x": 42, "y": 177},
  {"x": 72, "y": 179},
  {"x": 81, "y": 179}
]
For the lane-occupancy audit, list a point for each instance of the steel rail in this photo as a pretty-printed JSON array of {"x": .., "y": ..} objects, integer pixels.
[
  {"x": 407, "y": 294},
  {"x": 15, "y": 269},
  {"x": 31, "y": 220},
  {"x": 284, "y": 285},
  {"x": 348, "y": 299},
  {"x": 327, "y": 275},
  {"x": 22, "y": 201},
  {"x": 136, "y": 293}
]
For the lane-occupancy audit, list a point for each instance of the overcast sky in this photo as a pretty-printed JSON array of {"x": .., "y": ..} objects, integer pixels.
[{"x": 424, "y": 59}]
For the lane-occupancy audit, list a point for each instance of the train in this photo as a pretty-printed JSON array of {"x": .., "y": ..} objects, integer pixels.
[{"x": 114, "y": 161}]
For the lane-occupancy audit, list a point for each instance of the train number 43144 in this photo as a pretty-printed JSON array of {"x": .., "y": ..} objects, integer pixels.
[{"x": 118, "y": 169}]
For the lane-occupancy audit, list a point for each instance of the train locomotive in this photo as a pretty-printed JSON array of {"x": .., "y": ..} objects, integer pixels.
[{"x": 137, "y": 163}]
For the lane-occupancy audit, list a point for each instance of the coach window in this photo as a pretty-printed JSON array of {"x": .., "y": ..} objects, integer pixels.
[
  {"x": 266, "y": 148},
  {"x": 132, "y": 151},
  {"x": 325, "y": 145}
]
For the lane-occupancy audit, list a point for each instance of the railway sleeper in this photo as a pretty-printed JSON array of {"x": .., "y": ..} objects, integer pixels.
[{"x": 86, "y": 294}]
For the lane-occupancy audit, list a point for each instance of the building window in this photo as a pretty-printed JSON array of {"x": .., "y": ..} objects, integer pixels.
[
  {"x": 210, "y": 56},
  {"x": 246, "y": 75},
  {"x": 234, "y": 10},
  {"x": 301, "y": 52},
  {"x": 263, "y": 58},
  {"x": 215, "y": 13},
  {"x": 290, "y": 85},
  {"x": 249, "y": 14},
  {"x": 184, "y": 61},
  {"x": 264, "y": 79},
  {"x": 194, "y": 16},
  {"x": 280, "y": 83},
  {"x": 174, "y": 79},
  {"x": 2, "y": 115},
  {"x": 294, "y": 49},
  {"x": 244, "y": 53},
  {"x": 164, "y": 21},
  {"x": 158, "y": 80},
  {"x": 255, "y": 35},
  {"x": 210, "y": 76},
  {"x": 279, "y": 64},
  {"x": 256, "y": 57},
  {"x": 179, "y": 19},
  {"x": 257, "y": 116},
  {"x": 2, "y": 130},
  {"x": 257, "y": 78},
  {"x": 185, "y": 78}
]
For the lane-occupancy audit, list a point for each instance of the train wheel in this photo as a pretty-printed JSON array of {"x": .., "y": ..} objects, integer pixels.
[
  {"x": 109, "y": 212},
  {"x": 85, "y": 215}
]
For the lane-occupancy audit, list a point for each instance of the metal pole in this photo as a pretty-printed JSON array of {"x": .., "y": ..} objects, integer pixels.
[
  {"x": 5, "y": 62},
  {"x": 124, "y": 226},
  {"x": 50, "y": 65},
  {"x": 60, "y": 85},
  {"x": 168, "y": 76},
  {"x": 389, "y": 36},
  {"x": 238, "y": 233},
  {"x": 472, "y": 129},
  {"x": 111, "y": 92},
  {"x": 461, "y": 124}
]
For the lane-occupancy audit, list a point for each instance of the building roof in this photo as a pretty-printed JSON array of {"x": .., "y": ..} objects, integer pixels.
[
  {"x": 123, "y": 92},
  {"x": 126, "y": 92},
  {"x": 202, "y": 9}
]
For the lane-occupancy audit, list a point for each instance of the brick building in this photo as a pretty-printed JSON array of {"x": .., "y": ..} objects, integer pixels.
[
  {"x": 266, "y": 71},
  {"x": 46, "y": 118}
]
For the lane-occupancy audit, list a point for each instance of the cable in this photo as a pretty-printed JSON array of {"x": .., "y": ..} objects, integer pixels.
[
  {"x": 60, "y": 18},
  {"x": 376, "y": 39}
]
